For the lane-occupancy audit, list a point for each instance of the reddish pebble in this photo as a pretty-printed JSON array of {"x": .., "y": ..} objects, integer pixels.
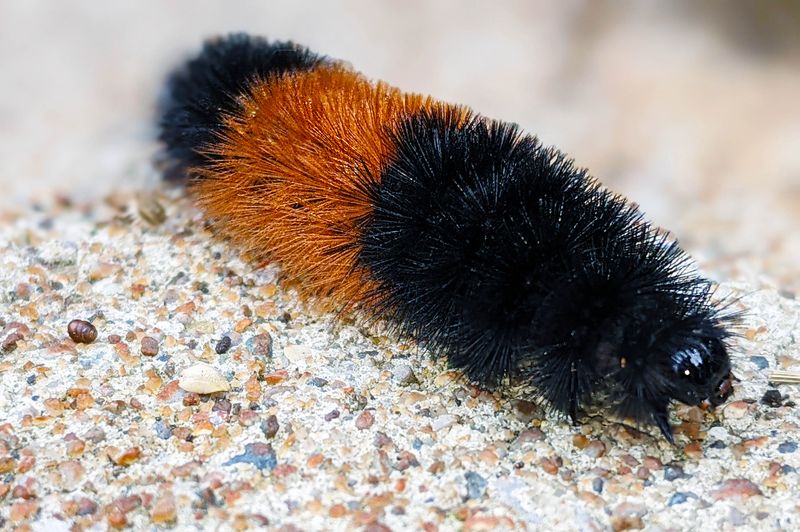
[
  {"x": 736, "y": 488},
  {"x": 149, "y": 346},
  {"x": 115, "y": 518},
  {"x": 114, "y": 338},
  {"x": 10, "y": 342},
  {"x": 22, "y": 510},
  {"x": 549, "y": 465},
  {"x": 365, "y": 420},
  {"x": 595, "y": 449},
  {"x": 81, "y": 332},
  {"x": 652, "y": 463}
]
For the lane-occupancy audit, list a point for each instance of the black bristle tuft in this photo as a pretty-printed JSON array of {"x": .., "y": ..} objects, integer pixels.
[
  {"x": 499, "y": 254},
  {"x": 204, "y": 90}
]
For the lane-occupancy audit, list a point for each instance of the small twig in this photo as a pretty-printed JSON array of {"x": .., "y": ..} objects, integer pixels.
[{"x": 785, "y": 377}]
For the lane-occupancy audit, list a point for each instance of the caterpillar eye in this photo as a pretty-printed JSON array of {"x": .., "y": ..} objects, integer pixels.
[
  {"x": 702, "y": 374},
  {"x": 692, "y": 364}
]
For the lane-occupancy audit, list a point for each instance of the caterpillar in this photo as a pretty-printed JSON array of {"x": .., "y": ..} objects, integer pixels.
[{"x": 461, "y": 232}]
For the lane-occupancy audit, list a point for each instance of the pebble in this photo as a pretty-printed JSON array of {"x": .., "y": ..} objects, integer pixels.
[
  {"x": 164, "y": 510},
  {"x": 258, "y": 454},
  {"x": 760, "y": 362},
  {"x": 628, "y": 516},
  {"x": 595, "y": 449},
  {"x": 319, "y": 382},
  {"x": 260, "y": 345},
  {"x": 333, "y": 414},
  {"x": 270, "y": 426},
  {"x": 223, "y": 345},
  {"x": 772, "y": 397},
  {"x": 149, "y": 346},
  {"x": 163, "y": 431},
  {"x": 476, "y": 485},
  {"x": 736, "y": 488},
  {"x": 736, "y": 410},
  {"x": 365, "y": 420},
  {"x": 403, "y": 375},
  {"x": 442, "y": 422},
  {"x": 674, "y": 472},
  {"x": 597, "y": 484},
  {"x": 680, "y": 497},
  {"x": 203, "y": 378},
  {"x": 787, "y": 447},
  {"x": 124, "y": 457}
]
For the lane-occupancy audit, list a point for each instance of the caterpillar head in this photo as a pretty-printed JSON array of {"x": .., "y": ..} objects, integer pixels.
[
  {"x": 702, "y": 372},
  {"x": 686, "y": 361}
]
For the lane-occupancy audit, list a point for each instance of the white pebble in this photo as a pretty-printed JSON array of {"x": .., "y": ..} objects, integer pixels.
[{"x": 203, "y": 378}]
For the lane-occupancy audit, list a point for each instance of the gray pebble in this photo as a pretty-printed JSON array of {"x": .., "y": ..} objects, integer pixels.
[
  {"x": 319, "y": 382},
  {"x": 476, "y": 485},
  {"x": 787, "y": 447},
  {"x": 680, "y": 497},
  {"x": 403, "y": 375},
  {"x": 163, "y": 430},
  {"x": 760, "y": 362},
  {"x": 674, "y": 472}
]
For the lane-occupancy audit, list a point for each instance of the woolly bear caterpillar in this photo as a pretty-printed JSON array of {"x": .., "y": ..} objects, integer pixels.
[{"x": 463, "y": 232}]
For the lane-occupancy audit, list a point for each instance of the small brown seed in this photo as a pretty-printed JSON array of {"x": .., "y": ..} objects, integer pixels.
[{"x": 81, "y": 332}]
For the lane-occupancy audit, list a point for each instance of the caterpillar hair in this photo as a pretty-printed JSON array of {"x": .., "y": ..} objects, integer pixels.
[{"x": 461, "y": 232}]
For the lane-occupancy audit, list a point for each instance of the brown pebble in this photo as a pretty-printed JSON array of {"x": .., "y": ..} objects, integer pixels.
[
  {"x": 7, "y": 465},
  {"x": 580, "y": 441},
  {"x": 114, "y": 338},
  {"x": 693, "y": 450},
  {"x": 191, "y": 399},
  {"x": 81, "y": 332},
  {"x": 164, "y": 510},
  {"x": 652, "y": 463},
  {"x": 150, "y": 209},
  {"x": 262, "y": 345},
  {"x": 365, "y": 420},
  {"x": 736, "y": 488},
  {"x": 115, "y": 518},
  {"x": 526, "y": 436},
  {"x": 10, "y": 342},
  {"x": 123, "y": 457},
  {"x": 436, "y": 467},
  {"x": 270, "y": 426},
  {"x": 525, "y": 411},
  {"x": 22, "y": 510},
  {"x": 149, "y": 346},
  {"x": 549, "y": 465},
  {"x": 595, "y": 449},
  {"x": 643, "y": 473}
]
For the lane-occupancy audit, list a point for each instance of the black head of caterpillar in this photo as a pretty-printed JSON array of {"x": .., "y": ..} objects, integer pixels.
[{"x": 502, "y": 256}]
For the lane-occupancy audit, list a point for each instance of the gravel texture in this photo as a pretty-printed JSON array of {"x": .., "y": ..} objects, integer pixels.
[{"x": 326, "y": 425}]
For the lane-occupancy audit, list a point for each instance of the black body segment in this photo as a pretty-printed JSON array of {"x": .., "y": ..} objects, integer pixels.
[{"x": 499, "y": 254}]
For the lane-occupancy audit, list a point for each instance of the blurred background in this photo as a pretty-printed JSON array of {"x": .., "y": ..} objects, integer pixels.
[{"x": 692, "y": 109}]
